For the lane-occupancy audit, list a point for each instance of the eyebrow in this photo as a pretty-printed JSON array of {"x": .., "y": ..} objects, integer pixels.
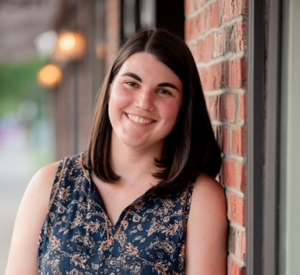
[
  {"x": 167, "y": 84},
  {"x": 136, "y": 77},
  {"x": 163, "y": 84}
]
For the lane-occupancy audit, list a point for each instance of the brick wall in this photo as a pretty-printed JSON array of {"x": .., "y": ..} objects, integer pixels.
[{"x": 216, "y": 32}]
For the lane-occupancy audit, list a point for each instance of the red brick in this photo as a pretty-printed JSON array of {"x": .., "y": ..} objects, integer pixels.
[
  {"x": 225, "y": 74},
  {"x": 226, "y": 140},
  {"x": 238, "y": 73},
  {"x": 234, "y": 173},
  {"x": 242, "y": 36},
  {"x": 199, "y": 3},
  {"x": 189, "y": 6},
  {"x": 203, "y": 72},
  {"x": 243, "y": 108},
  {"x": 228, "y": 107},
  {"x": 245, "y": 7},
  {"x": 236, "y": 209},
  {"x": 237, "y": 7},
  {"x": 193, "y": 49},
  {"x": 202, "y": 22},
  {"x": 214, "y": 15},
  {"x": 239, "y": 141},
  {"x": 113, "y": 30},
  {"x": 190, "y": 29},
  {"x": 215, "y": 77},
  {"x": 230, "y": 38},
  {"x": 217, "y": 74},
  {"x": 229, "y": 170},
  {"x": 235, "y": 269},
  {"x": 232, "y": 9},
  {"x": 218, "y": 43},
  {"x": 213, "y": 106},
  {"x": 241, "y": 177},
  {"x": 205, "y": 79},
  {"x": 237, "y": 243},
  {"x": 198, "y": 52},
  {"x": 218, "y": 131},
  {"x": 206, "y": 48},
  {"x": 226, "y": 15}
]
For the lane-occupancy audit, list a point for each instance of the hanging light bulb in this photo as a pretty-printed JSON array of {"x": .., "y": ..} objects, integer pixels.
[
  {"x": 70, "y": 47},
  {"x": 50, "y": 76}
]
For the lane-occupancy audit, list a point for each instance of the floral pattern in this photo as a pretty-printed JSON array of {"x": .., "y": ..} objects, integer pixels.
[{"x": 73, "y": 239}]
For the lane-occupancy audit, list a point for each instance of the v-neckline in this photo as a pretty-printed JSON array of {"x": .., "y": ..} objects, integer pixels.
[{"x": 96, "y": 196}]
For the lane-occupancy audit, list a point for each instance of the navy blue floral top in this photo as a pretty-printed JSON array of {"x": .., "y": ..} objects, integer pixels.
[{"x": 78, "y": 238}]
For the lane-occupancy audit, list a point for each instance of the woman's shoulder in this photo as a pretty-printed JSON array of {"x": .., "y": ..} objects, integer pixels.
[
  {"x": 47, "y": 171},
  {"x": 207, "y": 228},
  {"x": 47, "y": 174},
  {"x": 43, "y": 180},
  {"x": 209, "y": 196},
  {"x": 31, "y": 215},
  {"x": 207, "y": 187}
]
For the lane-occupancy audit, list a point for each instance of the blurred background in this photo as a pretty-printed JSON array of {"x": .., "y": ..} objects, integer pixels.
[
  {"x": 53, "y": 57},
  {"x": 26, "y": 123}
]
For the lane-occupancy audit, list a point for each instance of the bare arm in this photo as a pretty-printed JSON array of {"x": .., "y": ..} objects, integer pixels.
[
  {"x": 31, "y": 214},
  {"x": 207, "y": 229}
]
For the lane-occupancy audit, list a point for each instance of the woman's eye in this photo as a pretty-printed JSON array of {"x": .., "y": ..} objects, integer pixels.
[
  {"x": 164, "y": 92},
  {"x": 130, "y": 83}
]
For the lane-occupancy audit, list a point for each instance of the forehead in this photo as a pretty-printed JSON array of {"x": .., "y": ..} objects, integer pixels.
[{"x": 147, "y": 65}]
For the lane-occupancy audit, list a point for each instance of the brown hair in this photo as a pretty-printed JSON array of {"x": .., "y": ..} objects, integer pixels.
[{"x": 191, "y": 148}]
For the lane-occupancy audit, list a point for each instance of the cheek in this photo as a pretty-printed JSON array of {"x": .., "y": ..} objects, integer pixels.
[
  {"x": 114, "y": 105},
  {"x": 117, "y": 100},
  {"x": 172, "y": 109},
  {"x": 171, "y": 112}
]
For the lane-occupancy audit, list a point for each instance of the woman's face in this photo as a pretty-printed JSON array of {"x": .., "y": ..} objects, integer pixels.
[{"x": 145, "y": 99}]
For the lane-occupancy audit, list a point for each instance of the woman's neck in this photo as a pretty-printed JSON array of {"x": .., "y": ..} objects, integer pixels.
[{"x": 133, "y": 164}]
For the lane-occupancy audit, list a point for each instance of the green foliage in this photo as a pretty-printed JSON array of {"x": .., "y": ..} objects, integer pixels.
[{"x": 18, "y": 82}]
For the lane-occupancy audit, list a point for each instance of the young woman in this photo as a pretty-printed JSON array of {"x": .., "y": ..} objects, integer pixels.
[{"x": 142, "y": 199}]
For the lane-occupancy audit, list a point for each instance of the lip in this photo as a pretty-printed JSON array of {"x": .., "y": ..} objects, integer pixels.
[{"x": 141, "y": 120}]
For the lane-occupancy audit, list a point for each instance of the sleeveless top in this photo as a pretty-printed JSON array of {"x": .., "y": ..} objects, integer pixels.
[{"x": 78, "y": 238}]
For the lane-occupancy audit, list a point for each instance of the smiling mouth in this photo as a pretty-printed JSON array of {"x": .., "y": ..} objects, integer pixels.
[{"x": 140, "y": 120}]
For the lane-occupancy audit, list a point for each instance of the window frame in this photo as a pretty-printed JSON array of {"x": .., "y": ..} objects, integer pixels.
[{"x": 264, "y": 89}]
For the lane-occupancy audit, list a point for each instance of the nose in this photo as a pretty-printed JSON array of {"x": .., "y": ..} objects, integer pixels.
[{"x": 144, "y": 100}]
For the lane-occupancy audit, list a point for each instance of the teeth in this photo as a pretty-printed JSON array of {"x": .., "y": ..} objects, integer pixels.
[{"x": 139, "y": 120}]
